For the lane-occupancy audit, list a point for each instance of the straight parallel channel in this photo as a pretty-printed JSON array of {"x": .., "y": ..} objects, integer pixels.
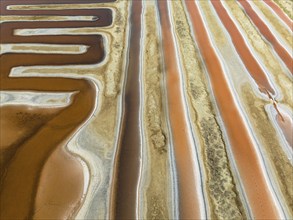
[
  {"x": 256, "y": 188},
  {"x": 190, "y": 200},
  {"x": 280, "y": 13},
  {"x": 127, "y": 161},
  {"x": 266, "y": 32},
  {"x": 252, "y": 65}
]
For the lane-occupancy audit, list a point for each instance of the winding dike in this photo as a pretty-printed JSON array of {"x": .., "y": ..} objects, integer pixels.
[{"x": 120, "y": 109}]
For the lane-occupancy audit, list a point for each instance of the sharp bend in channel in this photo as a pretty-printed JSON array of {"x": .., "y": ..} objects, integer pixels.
[
  {"x": 193, "y": 118},
  {"x": 24, "y": 164}
]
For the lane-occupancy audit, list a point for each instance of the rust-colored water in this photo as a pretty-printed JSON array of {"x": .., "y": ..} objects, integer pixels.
[
  {"x": 243, "y": 150},
  {"x": 127, "y": 162},
  {"x": 61, "y": 171},
  {"x": 17, "y": 124},
  {"x": 29, "y": 164},
  {"x": 265, "y": 31},
  {"x": 249, "y": 61},
  {"x": 43, "y": 2},
  {"x": 189, "y": 205},
  {"x": 280, "y": 13}
]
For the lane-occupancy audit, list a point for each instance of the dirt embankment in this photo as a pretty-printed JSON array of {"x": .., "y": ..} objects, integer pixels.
[
  {"x": 157, "y": 145},
  {"x": 219, "y": 178}
]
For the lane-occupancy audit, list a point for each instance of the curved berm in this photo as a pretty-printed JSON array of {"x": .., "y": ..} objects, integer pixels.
[{"x": 156, "y": 109}]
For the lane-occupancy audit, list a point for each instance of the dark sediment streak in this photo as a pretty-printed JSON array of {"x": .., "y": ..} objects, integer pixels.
[
  {"x": 22, "y": 170},
  {"x": 265, "y": 31},
  {"x": 127, "y": 164}
]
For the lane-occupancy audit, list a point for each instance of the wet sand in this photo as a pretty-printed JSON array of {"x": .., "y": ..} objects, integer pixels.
[
  {"x": 188, "y": 178},
  {"x": 127, "y": 161},
  {"x": 250, "y": 171},
  {"x": 21, "y": 180},
  {"x": 265, "y": 31},
  {"x": 60, "y": 187}
]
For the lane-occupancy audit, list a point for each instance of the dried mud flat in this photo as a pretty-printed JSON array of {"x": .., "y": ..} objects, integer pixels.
[{"x": 117, "y": 109}]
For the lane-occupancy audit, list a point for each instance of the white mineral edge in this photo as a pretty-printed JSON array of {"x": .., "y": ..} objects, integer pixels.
[
  {"x": 43, "y": 48},
  {"x": 249, "y": 131},
  {"x": 41, "y": 99},
  {"x": 197, "y": 163},
  {"x": 25, "y": 18},
  {"x": 276, "y": 34}
]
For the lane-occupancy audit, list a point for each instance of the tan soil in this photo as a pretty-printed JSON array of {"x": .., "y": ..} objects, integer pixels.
[
  {"x": 275, "y": 22},
  {"x": 156, "y": 192},
  {"x": 282, "y": 168},
  {"x": 259, "y": 118},
  {"x": 219, "y": 179},
  {"x": 252, "y": 175},
  {"x": 264, "y": 51},
  {"x": 286, "y": 6}
]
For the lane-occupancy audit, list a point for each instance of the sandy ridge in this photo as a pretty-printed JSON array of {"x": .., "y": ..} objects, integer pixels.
[
  {"x": 273, "y": 19},
  {"x": 219, "y": 179},
  {"x": 286, "y": 6},
  {"x": 156, "y": 194},
  {"x": 256, "y": 107},
  {"x": 264, "y": 51}
]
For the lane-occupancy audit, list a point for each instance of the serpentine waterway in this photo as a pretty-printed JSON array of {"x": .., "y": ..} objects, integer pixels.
[{"x": 158, "y": 109}]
